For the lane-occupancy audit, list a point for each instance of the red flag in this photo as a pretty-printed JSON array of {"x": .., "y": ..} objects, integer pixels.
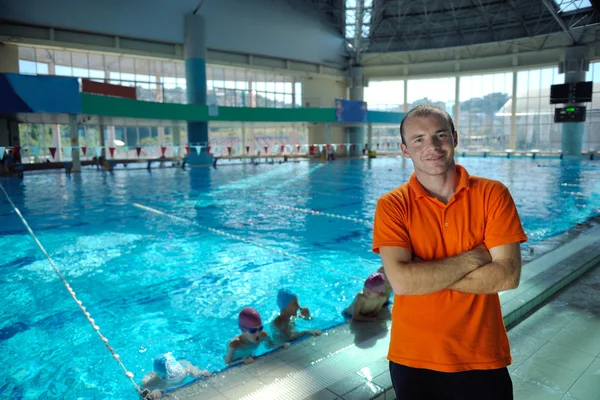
[
  {"x": 112, "y": 151},
  {"x": 342, "y": 146},
  {"x": 163, "y": 149},
  {"x": 282, "y": 148},
  {"x": 52, "y": 151},
  {"x": 353, "y": 146},
  {"x": 84, "y": 149},
  {"x": 328, "y": 147},
  {"x": 187, "y": 149},
  {"x": 266, "y": 149},
  {"x": 313, "y": 148},
  {"x": 138, "y": 150},
  {"x": 229, "y": 150},
  {"x": 16, "y": 150},
  {"x": 207, "y": 149},
  {"x": 247, "y": 149},
  {"x": 298, "y": 148}
]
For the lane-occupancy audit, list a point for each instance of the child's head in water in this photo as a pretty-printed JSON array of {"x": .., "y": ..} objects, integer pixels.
[
  {"x": 169, "y": 369},
  {"x": 287, "y": 299},
  {"x": 250, "y": 324},
  {"x": 374, "y": 285}
]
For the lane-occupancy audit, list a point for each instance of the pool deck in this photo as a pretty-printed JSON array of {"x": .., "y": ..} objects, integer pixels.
[{"x": 349, "y": 362}]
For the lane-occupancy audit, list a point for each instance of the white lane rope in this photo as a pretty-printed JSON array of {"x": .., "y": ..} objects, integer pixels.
[
  {"x": 314, "y": 212},
  {"x": 236, "y": 237},
  {"x": 74, "y": 295}
]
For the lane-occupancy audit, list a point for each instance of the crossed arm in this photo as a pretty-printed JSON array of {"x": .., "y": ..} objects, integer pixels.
[{"x": 476, "y": 271}]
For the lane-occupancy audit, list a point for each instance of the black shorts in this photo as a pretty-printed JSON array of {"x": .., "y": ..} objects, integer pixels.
[{"x": 424, "y": 384}]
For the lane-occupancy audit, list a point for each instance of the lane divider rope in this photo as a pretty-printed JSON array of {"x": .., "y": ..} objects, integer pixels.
[
  {"x": 314, "y": 212},
  {"x": 239, "y": 238},
  {"x": 74, "y": 295}
]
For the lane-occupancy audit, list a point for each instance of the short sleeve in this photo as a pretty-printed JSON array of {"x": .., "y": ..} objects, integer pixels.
[
  {"x": 503, "y": 225},
  {"x": 390, "y": 227}
]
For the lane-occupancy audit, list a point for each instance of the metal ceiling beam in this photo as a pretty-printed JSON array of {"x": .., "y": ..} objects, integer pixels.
[{"x": 558, "y": 19}]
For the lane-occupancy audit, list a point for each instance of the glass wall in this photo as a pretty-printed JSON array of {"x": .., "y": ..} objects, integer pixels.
[
  {"x": 385, "y": 96},
  {"x": 485, "y": 108},
  {"x": 591, "y": 136},
  {"x": 481, "y": 124},
  {"x": 226, "y": 138},
  {"x": 164, "y": 80},
  {"x": 252, "y": 138},
  {"x": 534, "y": 113},
  {"x": 438, "y": 91}
]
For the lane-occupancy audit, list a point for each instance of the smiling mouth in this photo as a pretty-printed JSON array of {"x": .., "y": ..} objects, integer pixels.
[{"x": 435, "y": 158}]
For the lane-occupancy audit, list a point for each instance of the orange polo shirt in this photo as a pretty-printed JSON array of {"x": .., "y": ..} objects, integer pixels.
[{"x": 448, "y": 331}]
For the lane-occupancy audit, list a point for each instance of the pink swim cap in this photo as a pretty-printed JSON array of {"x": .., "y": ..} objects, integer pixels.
[
  {"x": 249, "y": 318},
  {"x": 375, "y": 282}
]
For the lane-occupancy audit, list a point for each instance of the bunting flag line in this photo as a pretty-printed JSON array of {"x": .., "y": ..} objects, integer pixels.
[{"x": 83, "y": 150}]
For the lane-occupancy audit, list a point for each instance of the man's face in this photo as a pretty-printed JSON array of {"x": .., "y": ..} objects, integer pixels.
[{"x": 429, "y": 144}]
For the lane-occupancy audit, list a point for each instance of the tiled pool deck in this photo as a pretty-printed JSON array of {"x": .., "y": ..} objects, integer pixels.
[{"x": 349, "y": 362}]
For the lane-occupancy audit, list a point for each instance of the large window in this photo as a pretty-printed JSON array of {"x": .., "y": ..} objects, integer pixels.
[
  {"x": 438, "y": 91},
  {"x": 534, "y": 113},
  {"x": 591, "y": 135},
  {"x": 481, "y": 125},
  {"x": 385, "y": 96},
  {"x": 246, "y": 88},
  {"x": 164, "y": 80}
]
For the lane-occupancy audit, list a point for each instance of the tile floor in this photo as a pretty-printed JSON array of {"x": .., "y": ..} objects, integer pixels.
[{"x": 556, "y": 350}]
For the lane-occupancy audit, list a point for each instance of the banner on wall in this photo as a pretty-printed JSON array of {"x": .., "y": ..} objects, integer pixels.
[{"x": 350, "y": 110}]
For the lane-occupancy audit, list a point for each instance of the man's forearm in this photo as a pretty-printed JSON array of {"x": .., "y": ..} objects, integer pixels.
[
  {"x": 491, "y": 278},
  {"x": 424, "y": 277}
]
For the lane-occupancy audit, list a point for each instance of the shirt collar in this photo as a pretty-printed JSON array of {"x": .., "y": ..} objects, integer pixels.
[{"x": 463, "y": 182}]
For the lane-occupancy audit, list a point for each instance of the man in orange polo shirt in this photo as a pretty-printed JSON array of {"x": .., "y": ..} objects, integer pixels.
[{"x": 449, "y": 243}]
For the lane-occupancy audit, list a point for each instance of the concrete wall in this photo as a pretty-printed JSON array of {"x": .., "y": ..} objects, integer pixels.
[
  {"x": 260, "y": 27},
  {"x": 9, "y": 58},
  {"x": 320, "y": 93}
]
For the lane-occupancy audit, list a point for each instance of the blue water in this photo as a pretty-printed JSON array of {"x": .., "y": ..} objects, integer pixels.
[{"x": 155, "y": 283}]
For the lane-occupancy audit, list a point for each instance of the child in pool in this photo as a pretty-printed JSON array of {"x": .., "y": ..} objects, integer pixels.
[
  {"x": 243, "y": 346},
  {"x": 168, "y": 372},
  {"x": 387, "y": 291},
  {"x": 369, "y": 302},
  {"x": 285, "y": 323}
]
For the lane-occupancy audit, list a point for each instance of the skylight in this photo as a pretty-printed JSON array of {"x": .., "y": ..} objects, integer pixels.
[
  {"x": 572, "y": 5},
  {"x": 358, "y": 19}
]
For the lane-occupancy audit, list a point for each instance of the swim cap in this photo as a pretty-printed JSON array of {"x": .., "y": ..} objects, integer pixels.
[
  {"x": 284, "y": 298},
  {"x": 375, "y": 282},
  {"x": 169, "y": 369},
  {"x": 249, "y": 318}
]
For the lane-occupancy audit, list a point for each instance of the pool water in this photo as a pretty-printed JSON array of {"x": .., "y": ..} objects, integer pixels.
[{"x": 165, "y": 260}]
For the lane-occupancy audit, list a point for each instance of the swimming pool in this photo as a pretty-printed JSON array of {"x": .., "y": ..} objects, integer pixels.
[{"x": 165, "y": 260}]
